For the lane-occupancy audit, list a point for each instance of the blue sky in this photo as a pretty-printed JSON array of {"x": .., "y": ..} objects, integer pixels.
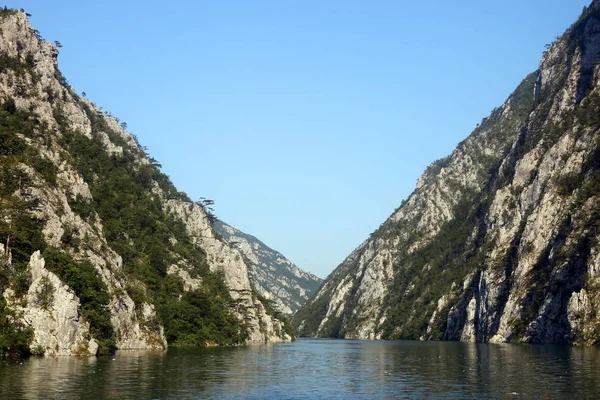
[{"x": 307, "y": 121}]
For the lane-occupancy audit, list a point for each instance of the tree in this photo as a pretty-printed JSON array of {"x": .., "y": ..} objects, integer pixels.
[
  {"x": 206, "y": 205},
  {"x": 58, "y": 44}
]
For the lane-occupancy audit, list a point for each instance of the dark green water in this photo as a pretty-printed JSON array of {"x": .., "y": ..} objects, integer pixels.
[{"x": 325, "y": 369}]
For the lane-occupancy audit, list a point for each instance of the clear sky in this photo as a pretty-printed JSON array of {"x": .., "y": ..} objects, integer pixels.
[{"x": 307, "y": 122}]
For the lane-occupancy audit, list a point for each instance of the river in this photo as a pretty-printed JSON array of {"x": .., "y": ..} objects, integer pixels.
[{"x": 320, "y": 369}]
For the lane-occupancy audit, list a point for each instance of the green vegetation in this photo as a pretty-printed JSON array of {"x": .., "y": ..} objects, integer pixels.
[
  {"x": 20, "y": 67},
  {"x": 87, "y": 284},
  {"x": 522, "y": 101},
  {"x": 200, "y": 317},
  {"x": 134, "y": 223},
  {"x": 148, "y": 238},
  {"x": 20, "y": 230},
  {"x": 271, "y": 310},
  {"x": 270, "y": 267},
  {"x": 426, "y": 274},
  {"x": 448, "y": 258},
  {"x": 312, "y": 314},
  {"x": 15, "y": 336},
  {"x": 5, "y": 12},
  {"x": 460, "y": 248},
  {"x": 45, "y": 297}
]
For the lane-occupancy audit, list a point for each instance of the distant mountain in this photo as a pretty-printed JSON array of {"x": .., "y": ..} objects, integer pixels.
[
  {"x": 271, "y": 274},
  {"x": 500, "y": 241}
]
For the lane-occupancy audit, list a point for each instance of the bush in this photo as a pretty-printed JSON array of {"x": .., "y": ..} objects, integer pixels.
[
  {"x": 5, "y": 12},
  {"x": 45, "y": 296},
  {"x": 15, "y": 337},
  {"x": 201, "y": 317}
]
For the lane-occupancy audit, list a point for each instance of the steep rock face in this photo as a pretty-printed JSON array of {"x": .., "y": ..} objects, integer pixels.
[
  {"x": 274, "y": 276},
  {"x": 228, "y": 261},
  {"x": 499, "y": 241},
  {"x": 31, "y": 91},
  {"x": 52, "y": 311},
  {"x": 75, "y": 186}
]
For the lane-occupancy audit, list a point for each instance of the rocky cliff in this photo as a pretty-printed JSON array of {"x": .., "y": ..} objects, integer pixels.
[
  {"x": 275, "y": 277},
  {"x": 99, "y": 250},
  {"x": 499, "y": 240}
]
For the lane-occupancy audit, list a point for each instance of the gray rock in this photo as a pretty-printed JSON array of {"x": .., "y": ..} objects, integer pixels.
[
  {"x": 274, "y": 276},
  {"x": 523, "y": 187},
  {"x": 58, "y": 326}
]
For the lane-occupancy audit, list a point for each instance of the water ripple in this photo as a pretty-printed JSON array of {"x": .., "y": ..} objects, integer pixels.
[{"x": 315, "y": 369}]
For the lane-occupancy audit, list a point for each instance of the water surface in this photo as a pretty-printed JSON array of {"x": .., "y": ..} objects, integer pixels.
[{"x": 321, "y": 369}]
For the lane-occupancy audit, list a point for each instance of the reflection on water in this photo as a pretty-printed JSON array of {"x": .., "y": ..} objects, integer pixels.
[{"x": 315, "y": 369}]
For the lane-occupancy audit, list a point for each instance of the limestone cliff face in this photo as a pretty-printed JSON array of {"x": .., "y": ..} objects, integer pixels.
[
  {"x": 38, "y": 168},
  {"x": 274, "y": 276},
  {"x": 499, "y": 241},
  {"x": 51, "y": 309},
  {"x": 263, "y": 328}
]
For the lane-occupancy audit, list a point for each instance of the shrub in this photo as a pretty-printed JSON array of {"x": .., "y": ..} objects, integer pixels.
[
  {"x": 45, "y": 296},
  {"x": 15, "y": 336}
]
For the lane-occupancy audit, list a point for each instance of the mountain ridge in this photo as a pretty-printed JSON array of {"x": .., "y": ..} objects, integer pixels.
[
  {"x": 99, "y": 250},
  {"x": 498, "y": 241},
  {"x": 271, "y": 273}
]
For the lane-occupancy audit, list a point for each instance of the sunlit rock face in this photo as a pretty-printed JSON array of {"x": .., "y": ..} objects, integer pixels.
[
  {"x": 274, "y": 276},
  {"x": 222, "y": 258},
  {"x": 499, "y": 240},
  {"x": 41, "y": 179}
]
